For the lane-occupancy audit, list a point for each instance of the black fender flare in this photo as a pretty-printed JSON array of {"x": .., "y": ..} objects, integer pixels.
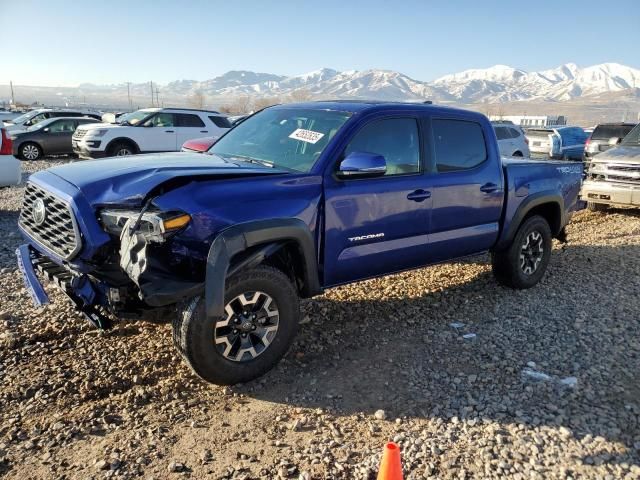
[
  {"x": 534, "y": 200},
  {"x": 123, "y": 140},
  {"x": 239, "y": 238}
]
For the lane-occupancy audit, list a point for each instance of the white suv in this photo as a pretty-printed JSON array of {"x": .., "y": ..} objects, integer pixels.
[
  {"x": 511, "y": 140},
  {"x": 146, "y": 131}
]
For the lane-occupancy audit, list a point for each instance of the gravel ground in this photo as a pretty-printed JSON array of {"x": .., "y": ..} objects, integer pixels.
[{"x": 549, "y": 387}]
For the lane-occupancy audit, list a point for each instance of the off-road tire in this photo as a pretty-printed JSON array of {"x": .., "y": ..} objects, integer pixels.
[
  {"x": 193, "y": 332},
  {"x": 597, "y": 207},
  {"x": 506, "y": 263},
  {"x": 30, "y": 152}
]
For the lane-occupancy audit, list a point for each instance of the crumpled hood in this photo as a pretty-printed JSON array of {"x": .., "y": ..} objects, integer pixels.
[
  {"x": 128, "y": 180},
  {"x": 620, "y": 154}
]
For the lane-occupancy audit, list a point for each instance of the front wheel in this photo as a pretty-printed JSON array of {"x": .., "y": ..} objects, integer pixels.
[
  {"x": 260, "y": 321},
  {"x": 122, "y": 150},
  {"x": 524, "y": 263}
]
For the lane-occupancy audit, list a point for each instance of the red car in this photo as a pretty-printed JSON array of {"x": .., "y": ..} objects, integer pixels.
[{"x": 199, "y": 145}]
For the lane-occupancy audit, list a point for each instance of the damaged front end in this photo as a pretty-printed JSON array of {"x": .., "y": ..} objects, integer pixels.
[{"x": 157, "y": 266}]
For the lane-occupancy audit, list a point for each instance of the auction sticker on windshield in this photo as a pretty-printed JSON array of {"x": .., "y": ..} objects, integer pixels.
[{"x": 308, "y": 136}]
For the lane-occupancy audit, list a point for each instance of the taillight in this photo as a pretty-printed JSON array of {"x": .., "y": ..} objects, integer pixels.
[
  {"x": 526, "y": 140},
  {"x": 586, "y": 144},
  {"x": 6, "y": 145}
]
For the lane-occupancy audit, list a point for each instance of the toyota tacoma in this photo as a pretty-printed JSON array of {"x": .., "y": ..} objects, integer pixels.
[{"x": 294, "y": 200}]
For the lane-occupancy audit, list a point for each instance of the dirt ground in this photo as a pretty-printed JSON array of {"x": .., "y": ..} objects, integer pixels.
[{"x": 549, "y": 387}]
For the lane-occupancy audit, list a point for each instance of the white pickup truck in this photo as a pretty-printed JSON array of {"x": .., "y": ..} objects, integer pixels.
[{"x": 147, "y": 131}]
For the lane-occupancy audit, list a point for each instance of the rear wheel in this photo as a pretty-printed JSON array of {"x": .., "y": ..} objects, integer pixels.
[
  {"x": 260, "y": 321},
  {"x": 524, "y": 263},
  {"x": 517, "y": 154},
  {"x": 597, "y": 207},
  {"x": 30, "y": 151}
]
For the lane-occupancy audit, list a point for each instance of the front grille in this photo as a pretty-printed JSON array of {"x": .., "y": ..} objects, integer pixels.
[
  {"x": 78, "y": 134},
  {"x": 56, "y": 230}
]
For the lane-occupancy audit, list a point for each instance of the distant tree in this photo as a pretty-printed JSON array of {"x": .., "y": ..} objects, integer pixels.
[
  {"x": 265, "y": 102},
  {"x": 228, "y": 109},
  {"x": 301, "y": 95},
  {"x": 197, "y": 100},
  {"x": 241, "y": 105}
]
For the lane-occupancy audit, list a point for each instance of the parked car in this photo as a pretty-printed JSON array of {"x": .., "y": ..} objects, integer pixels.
[
  {"x": 29, "y": 119},
  {"x": 199, "y": 145},
  {"x": 613, "y": 176},
  {"x": 8, "y": 115},
  {"x": 566, "y": 143},
  {"x": 147, "y": 131},
  {"x": 296, "y": 199},
  {"x": 10, "y": 171},
  {"x": 605, "y": 136},
  {"x": 511, "y": 140},
  {"x": 49, "y": 137}
]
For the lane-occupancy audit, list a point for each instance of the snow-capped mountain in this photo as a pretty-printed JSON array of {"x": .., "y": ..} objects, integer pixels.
[
  {"x": 499, "y": 83},
  {"x": 502, "y": 83}
]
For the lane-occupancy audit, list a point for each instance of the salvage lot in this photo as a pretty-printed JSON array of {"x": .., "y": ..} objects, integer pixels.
[{"x": 79, "y": 403}]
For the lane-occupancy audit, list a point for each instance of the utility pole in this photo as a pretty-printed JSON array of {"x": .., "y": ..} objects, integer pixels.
[
  {"x": 129, "y": 95},
  {"x": 157, "y": 96},
  {"x": 13, "y": 100},
  {"x": 151, "y": 92}
]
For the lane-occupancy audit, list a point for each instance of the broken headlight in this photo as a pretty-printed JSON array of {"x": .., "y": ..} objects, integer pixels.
[
  {"x": 155, "y": 226},
  {"x": 598, "y": 168}
]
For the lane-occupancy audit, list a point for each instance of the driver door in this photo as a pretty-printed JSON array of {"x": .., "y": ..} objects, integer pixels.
[
  {"x": 378, "y": 225},
  {"x": 158, "y": 134}
]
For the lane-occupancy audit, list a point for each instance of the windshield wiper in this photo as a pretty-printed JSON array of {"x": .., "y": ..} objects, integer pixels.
[{"x": 264, "y": 163}]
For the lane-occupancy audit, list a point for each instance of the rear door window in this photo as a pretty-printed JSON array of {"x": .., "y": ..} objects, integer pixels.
[
  {"x": 502, "y": 133},
  {"x": 458, "y": 144},
  {"x": 188, "y": 120}
]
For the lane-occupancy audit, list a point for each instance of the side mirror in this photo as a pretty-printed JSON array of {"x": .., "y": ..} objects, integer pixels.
[
  {"x": 614, "y": 141},
  {"x": 362, "y": 165}
]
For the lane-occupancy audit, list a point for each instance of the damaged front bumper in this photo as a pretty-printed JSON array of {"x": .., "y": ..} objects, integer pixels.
[{"x": 77, "y": 286}]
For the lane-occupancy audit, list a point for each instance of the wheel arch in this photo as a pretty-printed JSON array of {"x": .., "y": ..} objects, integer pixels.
[
  {"x": 264, "y": 241},
  {"x": 122, "y": 140},
  {"x": 549, "y": 205}
]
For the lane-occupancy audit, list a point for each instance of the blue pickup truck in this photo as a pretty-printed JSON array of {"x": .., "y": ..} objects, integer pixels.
[{"x": 295, "y": 199}]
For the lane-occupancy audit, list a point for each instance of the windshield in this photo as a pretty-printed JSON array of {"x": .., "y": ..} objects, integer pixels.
[
  {"x": 633, "y": 137},
  {"x": 134, "y": 118},
  {"x": 23, "y": 118},
  {"x": 290, "y": 138}
]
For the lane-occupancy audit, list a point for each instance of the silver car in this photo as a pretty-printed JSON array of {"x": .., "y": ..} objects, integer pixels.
[
  {"x": 613, "y": 177},
  {"x": 605, "y": 136}
]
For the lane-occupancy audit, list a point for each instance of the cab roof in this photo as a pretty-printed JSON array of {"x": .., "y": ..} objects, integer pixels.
[{"x": 369, "y": 106}]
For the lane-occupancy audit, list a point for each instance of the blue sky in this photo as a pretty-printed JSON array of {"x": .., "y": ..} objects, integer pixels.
[{"x": 61, "y": 42}]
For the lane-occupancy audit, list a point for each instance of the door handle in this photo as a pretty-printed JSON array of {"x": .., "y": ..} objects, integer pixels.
[
  {"x": 489, "y": 188},
  {"x": 419, "y": 195},
  {"x": 204, "y": 131},
  {"x": 169, "y": 131}
]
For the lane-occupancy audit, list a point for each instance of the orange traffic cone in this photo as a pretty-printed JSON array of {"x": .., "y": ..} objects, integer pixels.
[{"x": 390, "y": 466}]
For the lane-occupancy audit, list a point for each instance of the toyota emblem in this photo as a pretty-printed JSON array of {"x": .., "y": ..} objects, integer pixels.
[{"x": 39, "y": 212}]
